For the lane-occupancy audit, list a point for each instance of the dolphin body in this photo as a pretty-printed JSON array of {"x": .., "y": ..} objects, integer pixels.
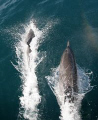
[
  {"x": 68, "y": 73},
  {"x": 29, "y": 38}
]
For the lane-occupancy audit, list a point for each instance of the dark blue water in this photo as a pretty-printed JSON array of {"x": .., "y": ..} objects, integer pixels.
[{"x": 77, "y": 21}]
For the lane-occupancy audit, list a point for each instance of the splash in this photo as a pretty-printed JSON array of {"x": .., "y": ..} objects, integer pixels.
[
  {"x": 27, "y": 63},
  {"x": 70, "y": 110},
  {"x": 30, "y": 94}
]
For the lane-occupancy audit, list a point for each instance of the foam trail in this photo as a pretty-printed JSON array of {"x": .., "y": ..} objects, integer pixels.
[
  {"x": 30, "y": 95},
  {"x": 27, "y": 63},
  {"x": 69, "y": 110}
]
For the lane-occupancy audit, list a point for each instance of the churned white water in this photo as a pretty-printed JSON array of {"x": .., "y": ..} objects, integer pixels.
[
  {"x": 27, "y": 63},
  {"x": 70, "y": 110}
]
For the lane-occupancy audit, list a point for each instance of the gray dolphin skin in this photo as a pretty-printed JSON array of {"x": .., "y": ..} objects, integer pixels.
[
  {"x": 30, "y": 36},
  {"x": 28, "y": 40},
  {"x": 68, "y": 72}
]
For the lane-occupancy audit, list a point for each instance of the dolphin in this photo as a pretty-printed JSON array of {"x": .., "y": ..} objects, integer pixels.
[
  {"x": 68, "y": 73},
  {"x": 29, "y": 38}
]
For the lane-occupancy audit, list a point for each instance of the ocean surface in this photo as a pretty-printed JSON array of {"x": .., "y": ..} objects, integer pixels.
[{"x": 27, "y": 88}]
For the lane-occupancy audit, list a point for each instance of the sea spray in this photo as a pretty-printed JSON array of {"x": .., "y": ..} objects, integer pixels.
[
  {"x": 30, "y": 94},
  {"x": 27, "y": 63}
]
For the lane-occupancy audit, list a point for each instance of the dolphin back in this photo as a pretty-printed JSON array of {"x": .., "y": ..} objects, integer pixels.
[
  {"x": 68, "y": 71},
  {"x": 30, "y": 36}
]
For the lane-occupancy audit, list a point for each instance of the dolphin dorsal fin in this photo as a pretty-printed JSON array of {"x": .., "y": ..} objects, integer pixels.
[{"x": 68, "y": 44}]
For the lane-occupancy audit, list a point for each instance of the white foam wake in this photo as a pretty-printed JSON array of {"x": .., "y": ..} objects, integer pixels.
[
  {"x": 27, "y": 67},
  {"x": 69, "y": 110},
  {"x": 27, "y": 64}
]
